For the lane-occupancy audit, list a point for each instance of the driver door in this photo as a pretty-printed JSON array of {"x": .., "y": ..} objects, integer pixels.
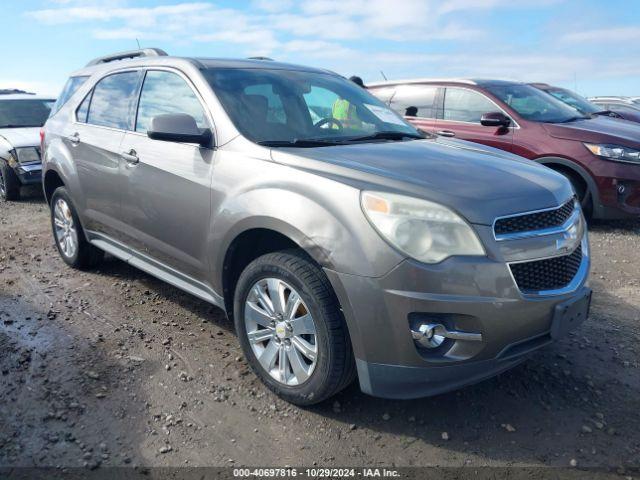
[
  {"x": 166, "y": 194},
  {"x": 462, "y": 111}
]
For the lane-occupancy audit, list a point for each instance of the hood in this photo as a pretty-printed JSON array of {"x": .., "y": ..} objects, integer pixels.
[
  {"x": 481, "y": 183},
  {"x": 21, "y": 137},
  {"x": 599, "y": 129}
]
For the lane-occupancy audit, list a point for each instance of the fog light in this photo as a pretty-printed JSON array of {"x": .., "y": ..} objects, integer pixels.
[
  {"x": 426, "y": 337},
  {"x": 432, "y": 335}
]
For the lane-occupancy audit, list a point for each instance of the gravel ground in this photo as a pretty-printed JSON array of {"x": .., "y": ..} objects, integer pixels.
[{"x": 114, "y": 368}]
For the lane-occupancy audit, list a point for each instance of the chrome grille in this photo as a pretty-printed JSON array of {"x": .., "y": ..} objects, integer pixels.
[
  {"x": 549, "y": 274},
  {"x": 534, "y": 221}
]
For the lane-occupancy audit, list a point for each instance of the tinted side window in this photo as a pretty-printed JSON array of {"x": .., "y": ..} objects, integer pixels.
[
  {"x": 415, "y": 101},
  {"x": 164, "y": 93},
  {"x": 466, "y": 105},
  {"x": 112, "y": 100},
  {"x": 73, "y": 84}
]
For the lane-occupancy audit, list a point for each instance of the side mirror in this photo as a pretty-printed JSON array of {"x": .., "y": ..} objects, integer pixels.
[
  {"x": 495, "y": 119},
  {"x": 178, "y": 127}
]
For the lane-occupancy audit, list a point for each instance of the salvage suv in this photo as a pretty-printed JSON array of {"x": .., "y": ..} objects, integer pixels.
[
  {"x": 339, "y": 248},
  {"x": 21, "y": 116}
]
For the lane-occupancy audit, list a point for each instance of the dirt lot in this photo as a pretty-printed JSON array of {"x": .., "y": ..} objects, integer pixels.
[{"x": 113, "y": 367}]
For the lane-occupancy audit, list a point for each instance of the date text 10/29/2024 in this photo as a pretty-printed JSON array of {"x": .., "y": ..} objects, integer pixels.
[{"x": 315, "y": 472}]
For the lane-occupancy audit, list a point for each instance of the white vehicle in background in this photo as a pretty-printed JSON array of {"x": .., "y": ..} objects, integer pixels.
[{"x": 21, "y": 116}]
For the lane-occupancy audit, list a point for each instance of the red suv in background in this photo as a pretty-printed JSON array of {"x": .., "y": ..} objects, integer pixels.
[{"x": 600, "y": 155}]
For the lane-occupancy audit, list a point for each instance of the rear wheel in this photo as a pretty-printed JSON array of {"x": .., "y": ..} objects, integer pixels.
[
  {"x": 291, "y": 328},
  {"x": 9, "y": 183},
  {"x": 71, "y": 243}
]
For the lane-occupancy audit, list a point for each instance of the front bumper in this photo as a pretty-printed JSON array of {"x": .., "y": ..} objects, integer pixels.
[
  {"x": 29, "y": 174},
  {"x": 466, "y": 293},
  {"x": 618, "y": 188}
]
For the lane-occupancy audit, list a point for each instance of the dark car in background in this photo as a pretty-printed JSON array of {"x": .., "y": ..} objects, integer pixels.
[
  {"x": 599, "y": 155},
  {"x": 628, "y": 108},
  {"x": 576, "y": 101},
  {"x": 21, "y": 116}
]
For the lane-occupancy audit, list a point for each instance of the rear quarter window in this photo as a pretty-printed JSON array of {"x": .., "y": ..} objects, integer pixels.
[
  {"x": 72, "y": 85},
  {"x": 415, "y": 100}
]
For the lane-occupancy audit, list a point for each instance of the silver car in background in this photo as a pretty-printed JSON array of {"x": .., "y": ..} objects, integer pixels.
[
  {"x": 340, "y": 240},
  {"x": 21, "y": 117}
]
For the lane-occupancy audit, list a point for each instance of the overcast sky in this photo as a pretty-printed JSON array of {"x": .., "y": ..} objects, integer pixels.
[{"x": 592, "y": 46}]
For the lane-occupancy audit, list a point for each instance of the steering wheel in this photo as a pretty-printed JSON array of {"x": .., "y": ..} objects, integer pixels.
[{"x": 327, "y": 121}]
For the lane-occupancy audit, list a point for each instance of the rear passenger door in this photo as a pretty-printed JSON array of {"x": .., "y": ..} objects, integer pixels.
[
  {"x": 166, "y": 196},
  {"x": 94, "y": 142},
  {"x": 419, "y": 104},
  {"x": 463, "y": 109}
]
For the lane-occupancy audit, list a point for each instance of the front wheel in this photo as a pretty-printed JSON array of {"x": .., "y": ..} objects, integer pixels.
[
  {"x": 291, "y": 329},
  {"x": 9, "y": 183},
  {"x": 72, "y": 245}
]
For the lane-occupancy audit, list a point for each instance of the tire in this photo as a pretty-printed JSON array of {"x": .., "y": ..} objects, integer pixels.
[
  {"x": 9, "y": 183},
  {"x": 296, "y": 274},
  {"x": 76, "y": 252}
]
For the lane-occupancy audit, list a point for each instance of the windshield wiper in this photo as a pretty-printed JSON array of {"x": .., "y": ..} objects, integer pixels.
[
  {"x": 19, "y": 126},
  {"x": 299, "y": 142},
  {"x": 386, "y": 135}
]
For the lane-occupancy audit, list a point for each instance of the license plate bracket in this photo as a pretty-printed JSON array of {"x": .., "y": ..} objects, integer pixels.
[{"x": 569, "y": 315}]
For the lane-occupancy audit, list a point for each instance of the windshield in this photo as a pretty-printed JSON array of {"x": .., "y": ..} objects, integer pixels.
[
  {"x": 574, "y": 100},
  {"x": 24, "y": 113},
  {"x": 283, "y": 106},
  {"x": 535, "y": 105}
]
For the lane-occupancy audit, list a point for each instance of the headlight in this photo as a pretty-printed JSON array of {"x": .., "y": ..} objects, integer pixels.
[
  {"x": 616, "y": 153},
  {"x": 27, "y": 155},
  {"x": 424, "y": 230}
]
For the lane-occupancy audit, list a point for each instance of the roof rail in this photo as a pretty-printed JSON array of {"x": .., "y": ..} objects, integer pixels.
[
  {"x": 144, "y": 52},
  {"x": 261, "y": 58}
]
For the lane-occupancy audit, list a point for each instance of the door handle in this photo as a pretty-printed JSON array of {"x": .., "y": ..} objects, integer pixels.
[
  {"x": 446, "y": 133},
  {"x": 74, "y": 139},
  {"x": 131, "y": 157}
]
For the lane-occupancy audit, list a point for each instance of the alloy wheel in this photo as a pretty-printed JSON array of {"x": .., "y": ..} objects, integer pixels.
[
  {"x": 65, "y": 230},
  {"x": 281, "y": 331},
  {"x": 3, "y": 187}
]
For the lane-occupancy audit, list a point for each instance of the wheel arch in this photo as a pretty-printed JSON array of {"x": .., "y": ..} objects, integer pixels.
[
  {"x": 561, "y": 165},
  {"x": 253, "y": 238},
  {"x": 50, "y": 181}
]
